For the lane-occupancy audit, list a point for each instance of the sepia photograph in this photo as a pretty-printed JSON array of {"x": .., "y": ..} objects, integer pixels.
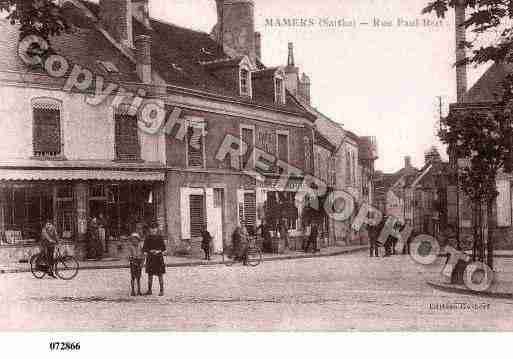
[{"x": 255, "y": 166}]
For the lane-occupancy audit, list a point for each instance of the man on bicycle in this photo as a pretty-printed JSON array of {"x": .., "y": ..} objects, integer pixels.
[{"x": 49, "y": 239}]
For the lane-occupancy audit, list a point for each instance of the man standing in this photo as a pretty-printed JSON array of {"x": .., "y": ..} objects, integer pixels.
[
  {"x": 49, "y": 239},
  {"x": 312, "y": 239}
]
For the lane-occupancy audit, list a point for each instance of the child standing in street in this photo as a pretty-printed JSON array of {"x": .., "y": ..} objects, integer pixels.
[
  {"x": 136, "y": 260},
  {"x": 206, "y": 244}
]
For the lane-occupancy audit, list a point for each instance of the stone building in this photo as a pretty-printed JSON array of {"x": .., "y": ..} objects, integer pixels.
[{"x": 68, "y": 158}]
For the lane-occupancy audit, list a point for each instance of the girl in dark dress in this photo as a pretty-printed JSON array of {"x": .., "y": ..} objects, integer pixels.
[
  {"x": 206, "y": 244},
  {"x": 154, "y": 247}
]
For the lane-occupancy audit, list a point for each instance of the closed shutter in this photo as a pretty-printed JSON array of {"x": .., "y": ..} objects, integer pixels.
[
  {"x": 47, "y": 134},
  {"x": 195, "y": 146},
  {"x": 127, "y": 138},
  {"x": 250, "y": 209},
  {"x": 197, "y": 213}
]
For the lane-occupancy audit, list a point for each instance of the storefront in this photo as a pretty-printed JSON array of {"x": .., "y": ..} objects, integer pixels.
[{"x": 70, "y": 199}]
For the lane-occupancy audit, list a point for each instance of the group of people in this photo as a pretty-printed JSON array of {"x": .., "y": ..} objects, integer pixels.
[
  {"x": 389, "y": 244},
  {"x": 147, "y": 249}
]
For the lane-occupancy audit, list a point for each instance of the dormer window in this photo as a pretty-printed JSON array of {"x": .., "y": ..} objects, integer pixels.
[
  {"x": 245, "y": 82},
  {"x": 279, "y": 91}
]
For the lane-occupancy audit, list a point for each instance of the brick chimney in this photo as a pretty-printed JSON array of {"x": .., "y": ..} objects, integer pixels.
[
  {"x": 236, "y": 27},
  {"x": 143, "y": 57},
  {"x": 461, "y": 71},
  {"x": 304, "y": 88},
  {"x": 291, "y": 72},
  {"x": 116, "y": 19},
  {"x": 141, "y": 12}
]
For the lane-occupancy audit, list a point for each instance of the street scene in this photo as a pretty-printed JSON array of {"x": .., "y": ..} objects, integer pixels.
[
  {"x": 261, "y": 167},
  {"x": 347, "y": 292}
]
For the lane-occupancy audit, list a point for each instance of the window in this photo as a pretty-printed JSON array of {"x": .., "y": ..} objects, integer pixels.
[
  {"x": 47, "y": 128},
  {"x": 279, "y": 91},
  {"x": 248, "y": 137},
  {"x": 245, "y": 82},
  {"x": 195, "y": 145},
  {"x": 283, "y": 147},
  {"x": 308, "y": 154},
  {"x": 218, "y": 197},
  {"x": 349, "y": 169},
  {"x": 198, "y": 218},
  {"x": 127, "y": 138}
]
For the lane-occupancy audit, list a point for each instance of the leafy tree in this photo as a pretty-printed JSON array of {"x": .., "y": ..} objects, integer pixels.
[
  {"x": 482, "y": 137},
  {"x": 41, "y": 17}
]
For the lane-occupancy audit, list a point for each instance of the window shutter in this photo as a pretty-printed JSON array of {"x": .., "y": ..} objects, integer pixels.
[
  {"x": 195, "y": 146},
  {"x": 250, "y": 209},
  {"x": 127, "y": 138},
  {"x": 47, "y": 134},
  {"x": 197, "y": 213},
  {"x": 185, "y": 216}
]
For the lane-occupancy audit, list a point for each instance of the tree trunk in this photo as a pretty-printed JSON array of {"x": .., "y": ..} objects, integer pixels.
[{"x": 489, "y": 245}]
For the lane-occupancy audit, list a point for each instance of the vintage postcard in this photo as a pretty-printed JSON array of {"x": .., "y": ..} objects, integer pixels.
[{"x": 255, "y": 165}]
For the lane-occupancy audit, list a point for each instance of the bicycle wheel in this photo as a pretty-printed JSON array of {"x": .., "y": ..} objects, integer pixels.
[
  {"x": 38, "y": 266},
  {"x": 254, "y": 257},
  {"x": 66, "y": 268}
]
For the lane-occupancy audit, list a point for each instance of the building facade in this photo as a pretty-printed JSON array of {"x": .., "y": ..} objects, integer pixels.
[{"x": 230, "y": 134}]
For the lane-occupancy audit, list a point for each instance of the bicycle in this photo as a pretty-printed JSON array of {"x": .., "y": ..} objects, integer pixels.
[
  {"x": 254, "y": 255},
  {"x": 65, "y": 266}
]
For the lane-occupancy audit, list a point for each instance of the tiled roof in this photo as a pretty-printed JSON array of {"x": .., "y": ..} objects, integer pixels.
[
  {"x": 83, "y": 47},
  {"x": 178, "y": 55},
  {"x": 322, "y": 141},
  {"x": 488, "y": 88}
]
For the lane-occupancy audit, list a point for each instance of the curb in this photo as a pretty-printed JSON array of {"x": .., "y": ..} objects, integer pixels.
[
  {"x": 198, "y": 263},
  {"x": 448, "y": 288}
]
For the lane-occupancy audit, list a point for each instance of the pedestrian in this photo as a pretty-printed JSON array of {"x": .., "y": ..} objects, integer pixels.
[
  {"x": 206, "y": 243},
  {"x": 94, "y": 244},
  {"x": 49, "y": 239},
  {"x": 136, "y": 260},
  {"x": 154, "y": 247},
  {"x": 373, "y": 241},
  {"x": 102, "y": 232},
  {"x": 312, "y": 238},
  {"x": 244, "y": 245},
  {"x": 284, "y": 233},
  {"x": 265, "y": 232}
]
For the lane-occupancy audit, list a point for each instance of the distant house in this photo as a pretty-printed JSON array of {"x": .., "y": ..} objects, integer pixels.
[{"x": 390, "y": 190}]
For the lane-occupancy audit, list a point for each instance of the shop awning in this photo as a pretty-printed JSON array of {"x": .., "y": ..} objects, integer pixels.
[{"x": 69, "y": 175}]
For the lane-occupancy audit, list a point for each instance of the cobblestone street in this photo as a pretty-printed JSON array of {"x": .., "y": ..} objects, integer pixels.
[{"x": 348, "y": 292}]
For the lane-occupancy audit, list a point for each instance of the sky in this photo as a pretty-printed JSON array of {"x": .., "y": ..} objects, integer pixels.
[{"x": 376, "y": 81}]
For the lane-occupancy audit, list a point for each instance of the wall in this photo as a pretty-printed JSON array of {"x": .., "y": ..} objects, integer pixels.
[
  {"x": 219, "y": 126},
  {"x": 87, "y": 131}
]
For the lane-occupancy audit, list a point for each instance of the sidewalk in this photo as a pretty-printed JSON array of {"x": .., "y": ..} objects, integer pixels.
[
  {"x": 172, "y": 261},
  {"x": 502, "y": 287}
]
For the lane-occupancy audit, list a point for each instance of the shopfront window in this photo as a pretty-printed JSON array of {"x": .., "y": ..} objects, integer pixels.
[
  {"x": 281, "y": 205},
  {"x": 123, "y": 205},
  {"x": 25, "y": 208}
]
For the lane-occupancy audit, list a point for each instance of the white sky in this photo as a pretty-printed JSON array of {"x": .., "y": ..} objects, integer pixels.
[{"x": 376, "y": 81}]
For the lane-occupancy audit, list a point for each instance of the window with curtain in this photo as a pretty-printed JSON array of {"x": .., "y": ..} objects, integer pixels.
[{"x": 46, "y": 128}]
